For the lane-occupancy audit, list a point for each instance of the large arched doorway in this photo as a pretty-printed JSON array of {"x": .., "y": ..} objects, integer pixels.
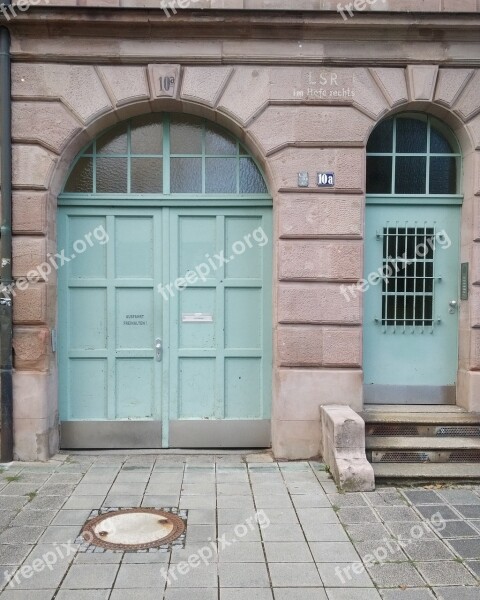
[
  {"x": 412, "y": 270},
  {"x": 165, "y": 295}
]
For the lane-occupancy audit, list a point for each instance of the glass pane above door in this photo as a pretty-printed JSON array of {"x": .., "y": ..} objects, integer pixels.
[{"x": 166, "y": 154}]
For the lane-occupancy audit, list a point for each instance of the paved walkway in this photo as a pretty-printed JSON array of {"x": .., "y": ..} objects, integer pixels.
[{"x": 284, "y": 533}]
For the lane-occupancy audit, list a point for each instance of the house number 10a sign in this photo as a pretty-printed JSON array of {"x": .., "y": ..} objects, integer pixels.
[{"x": 326, "y": 179}]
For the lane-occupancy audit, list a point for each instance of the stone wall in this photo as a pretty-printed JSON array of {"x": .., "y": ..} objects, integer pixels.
[{"x": 293, "y": 118}]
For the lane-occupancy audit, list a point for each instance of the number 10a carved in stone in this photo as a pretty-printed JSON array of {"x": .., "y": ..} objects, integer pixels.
[
  {"x": 167, "y": 83},
  {"x": 164, "y": 80}
]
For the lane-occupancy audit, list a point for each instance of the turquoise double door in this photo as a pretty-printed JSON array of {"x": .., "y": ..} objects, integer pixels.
[
  {"x": 165, "y": 327},
  {"x": 411, "y": 303}
]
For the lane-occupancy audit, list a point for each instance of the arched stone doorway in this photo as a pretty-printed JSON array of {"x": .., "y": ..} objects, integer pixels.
[
  {"x": 411, "y": 282},
  {"x": 165, "y": 298}
]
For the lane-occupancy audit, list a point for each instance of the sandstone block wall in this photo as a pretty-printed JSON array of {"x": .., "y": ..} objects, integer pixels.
[{"x": 59, "y": 106}]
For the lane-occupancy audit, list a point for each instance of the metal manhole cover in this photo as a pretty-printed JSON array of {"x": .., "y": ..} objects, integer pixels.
[{"x": 133, "y": 529}]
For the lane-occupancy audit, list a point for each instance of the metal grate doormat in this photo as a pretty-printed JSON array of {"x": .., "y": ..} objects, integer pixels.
[
  {"x": 387, "y": 430},
  {"x": 458, "y": 431},
  {"x": 418, "y": 456},
  {"x": 409, "y": 430},
  {"x": 400, "y": 457}
]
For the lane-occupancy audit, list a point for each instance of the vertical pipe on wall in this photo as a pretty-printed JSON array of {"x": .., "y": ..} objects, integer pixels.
[{"x": 6, "y": 308}]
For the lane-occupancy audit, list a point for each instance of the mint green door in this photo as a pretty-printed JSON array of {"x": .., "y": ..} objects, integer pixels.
[
  {"x": 109, "y": 316},
  {"x": 209, "y": 383},
  {"x": 411, "y": 304},
  {"x": 165, "y": 291},
  {"x": 220, "y": 327}
]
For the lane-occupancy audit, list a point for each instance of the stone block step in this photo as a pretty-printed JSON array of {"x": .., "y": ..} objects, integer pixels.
[{"x": 437, "y": 471}]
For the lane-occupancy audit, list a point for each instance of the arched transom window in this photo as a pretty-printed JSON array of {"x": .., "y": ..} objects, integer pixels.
[
  {"x": 165, "y": 154},
  {"x": 413, "y": 154}
]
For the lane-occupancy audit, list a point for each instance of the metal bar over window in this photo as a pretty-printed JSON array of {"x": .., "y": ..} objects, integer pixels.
[{"x": 408, "y": 259}]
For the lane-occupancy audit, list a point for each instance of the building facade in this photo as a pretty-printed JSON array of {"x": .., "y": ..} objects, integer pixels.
[{"x": 229, "y": 214}]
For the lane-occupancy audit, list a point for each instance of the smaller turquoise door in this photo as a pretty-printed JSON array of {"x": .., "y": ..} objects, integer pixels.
[
  {"x": 412, "y": 262},
  {"x": 411, "y": 304}
]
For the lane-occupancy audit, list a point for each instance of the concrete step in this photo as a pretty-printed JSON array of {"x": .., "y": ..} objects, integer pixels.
[
  {"x": 437, "y": 471},
  {"x": 427, "y": 443},
  {"x": 420, "y": 418},
  {"x": 422, "y": 443},
  {"x": 422, "y": 408}
]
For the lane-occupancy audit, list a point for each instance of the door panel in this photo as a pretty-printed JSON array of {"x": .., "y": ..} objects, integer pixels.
[
  {"x": 198, "y": 335},
  {"x": 220, "y": 327},
  {"x": 248, "y": 333},
  {"x": 135, "y": 388},
  {"x": 243, "y": 379},
  {"x": 109, "y": 316},
  {"x": 88, "y": 331},
  {"x": 196, "y": 389},
  {"x": 134, "y": 247},
  {"x": 87, "y": 388},
  {"x": 411, "y": 331}
]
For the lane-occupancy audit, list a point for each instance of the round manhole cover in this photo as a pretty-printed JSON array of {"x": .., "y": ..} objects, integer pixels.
[{"x": 133, "y": 529}]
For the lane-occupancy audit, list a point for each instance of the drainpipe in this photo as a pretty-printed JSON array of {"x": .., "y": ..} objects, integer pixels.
[{"x": 6, "y": 309}]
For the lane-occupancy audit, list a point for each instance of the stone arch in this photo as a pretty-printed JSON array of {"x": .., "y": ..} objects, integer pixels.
[
  {"x": 462, "y": 131},
  {"x": 448, "y": 94}
]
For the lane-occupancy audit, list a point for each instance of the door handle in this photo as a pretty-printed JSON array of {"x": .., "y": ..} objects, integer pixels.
[
  {"x": 158, "y": 350},
  {"x": 453, "y": 306}
]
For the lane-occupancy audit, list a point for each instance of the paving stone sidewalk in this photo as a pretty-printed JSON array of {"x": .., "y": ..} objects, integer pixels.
[{"x": 307, "y": 542}]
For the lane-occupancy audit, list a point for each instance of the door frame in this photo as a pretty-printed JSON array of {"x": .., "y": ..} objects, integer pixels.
[
  {"x": 158, "y": 433},
  {"x": 425, "y": 199},
  {"x": 410, "y": 394},
  {"x": 149, "y": 433}
]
